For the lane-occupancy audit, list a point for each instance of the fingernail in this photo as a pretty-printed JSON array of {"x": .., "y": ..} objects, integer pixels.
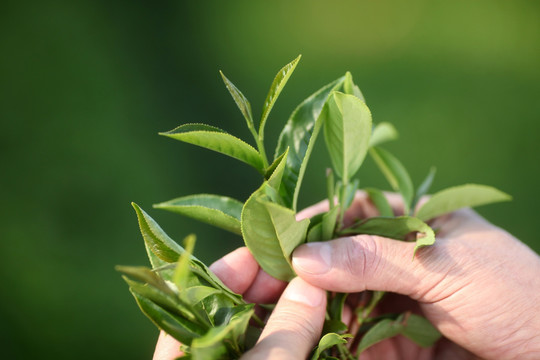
[
  {"x": 313, "y": 258},
  {"x": 301, "y": 292}
]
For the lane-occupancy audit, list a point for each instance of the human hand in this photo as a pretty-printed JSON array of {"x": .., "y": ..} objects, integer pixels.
[
  {"x": 478, "y": 284},
  {"x": 295, "y": 324}
]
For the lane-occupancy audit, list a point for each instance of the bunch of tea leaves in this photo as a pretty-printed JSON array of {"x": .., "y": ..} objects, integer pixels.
[{"x": 186, "y": 300}]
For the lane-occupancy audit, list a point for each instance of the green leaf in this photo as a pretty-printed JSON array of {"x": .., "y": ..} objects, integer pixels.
[
  {"x": 220, "y": 211},
  {"x": 350, "y": 88},
  {"x": 421, "y": 331},
  {"x": 395, "y": 228},
  {"x": 382, "y": 330},
  {"x": 335, "y": 310},
  {"x": 182, "y": 271},
  {"x": 159, "y": 243},
  {"x": 380, "y": 201},
  {"x": 271, "y": 233},
  {"x": 395, "y": 174},
  {"x": 240, "y": 100},
  {"x": 326, "y": 342},
  {"x": 314, "y": 233},
  {"x": 347, "y": 129},
  {"x": 181, "y": 329},
  {"x": 329, "y": 222},
  {"x": 275, "y": 89},
  {"x": 146, "y": 275},
  {"x": 215, "y": 139},
  {"x": 270, "y": 170},
  {"x": 383, "y": 132},
  {"x": 424, "y": 187},
  {"x": 290, "y": 233},
  {"x": 454, "y": 198},
  {"x": 299, "y": 135}
]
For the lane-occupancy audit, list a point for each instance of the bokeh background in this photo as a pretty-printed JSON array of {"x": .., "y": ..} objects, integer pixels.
[{"x": 85, "y": 86}]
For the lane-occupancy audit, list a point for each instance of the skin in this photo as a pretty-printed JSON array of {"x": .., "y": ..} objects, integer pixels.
[{"x": 478, "y": 285}]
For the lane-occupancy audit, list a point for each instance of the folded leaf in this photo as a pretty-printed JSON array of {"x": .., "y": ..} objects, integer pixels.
[
  {"x": 326, "y": 342},
  {"x": 395, "y": 228},
  {"x": 350, "y": 88},
  {"x": 240, "y": 100},
  {"x": 275, "y": 89},
  {"x": 215, "y": 139},
  {"x": 347, "y": 129},
  {"x": 383, "y": 132},
  {"x": 159, "y": 243},
  {"x": 454, "y": 198},
  {"x": 395, "y": 174},
  {"x": 299, "y": 135},
  {"x": 220, "y": 211}
]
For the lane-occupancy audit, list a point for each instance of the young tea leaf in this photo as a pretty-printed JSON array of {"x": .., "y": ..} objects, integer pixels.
[
  {"x": 159, "y": 243},
  {"x": 423, "y": 188},
  {"x": 383, "y": 132},
  {"x": 350, "y": 88},
  {"x": 218, "y": 140},
  {"x": 240, "y": 100},
  {"x": 347, "y": 129},
  {"x": 454, "y": 198},
  {"x": 395, "y": 228},
  {"x": 299, "y": 135},
  {"x": 219, "y": 211},
  {"x": 181, "y": 329},
  {"x": 395, "y": 174},
  {"x": 275, "y": 89},
  {"x": 182, "y": 271},
  {"x": 326, "y": 342}
]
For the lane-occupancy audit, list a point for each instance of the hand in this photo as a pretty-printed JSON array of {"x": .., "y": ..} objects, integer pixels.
[
  {"x": 478, "y": 284},
  {"x": 295, "y": 324}
]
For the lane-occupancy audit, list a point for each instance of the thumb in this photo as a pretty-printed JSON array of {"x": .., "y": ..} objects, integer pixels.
[
  {"x": 363, "y": 262},
  {"x": 295, "y": 324}
]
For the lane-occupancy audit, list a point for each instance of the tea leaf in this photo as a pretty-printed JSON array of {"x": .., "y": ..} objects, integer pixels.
[
  {"x": 218, "y": 140},
  {"x": 315, "y": 233},
  {"x": 159, "y": 243},
  {"x": 424, "y": 187},
  {"x": 329, "y": 222},
  {"x": 383, "y": 132},
  {"x": 454, "y": 198},
  {"x": 326, "y": 342},
  {"x": 269, "y": 245},
  {"x": 299, "y": 135},
  {"x": 395, "y": 228},
  {"x": 145, "y": 275},
  {"x": 395, "y": 174},
  {"x": 347, "y": 129},
  {"x": 381, "y": 203},
  {"x": 181, "y": 329},
  {"x": 420, "y": 330},
  {"x": 182, "y": 270},
  {"x": 220, "y": 211},
  {"x": 196, "y": 294},
  {"x": 275, "y": 89},
  {"x": 290, "y": 233},
  {"x": 240, "y": 100},
  {"x": 382, "y": 330},
  {"x": 350, "y": 88}
]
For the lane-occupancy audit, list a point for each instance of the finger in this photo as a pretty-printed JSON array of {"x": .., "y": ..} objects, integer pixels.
[
  {"x": 295, "y": 324},
  {"x": 167, "y": 348},
  {"x": 237, "y": 269},
  {"x": 264, "y": 289},
  {"x": 364, "y": 262}
]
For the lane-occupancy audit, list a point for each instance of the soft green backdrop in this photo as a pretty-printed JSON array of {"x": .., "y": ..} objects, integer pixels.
[{"x": 86, "y": 85}]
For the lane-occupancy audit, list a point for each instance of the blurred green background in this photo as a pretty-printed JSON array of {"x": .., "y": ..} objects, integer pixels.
[{"x": 85, "y": 86}]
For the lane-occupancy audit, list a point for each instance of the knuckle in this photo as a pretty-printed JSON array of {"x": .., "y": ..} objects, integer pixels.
[{"x": 362, "y": 256}]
